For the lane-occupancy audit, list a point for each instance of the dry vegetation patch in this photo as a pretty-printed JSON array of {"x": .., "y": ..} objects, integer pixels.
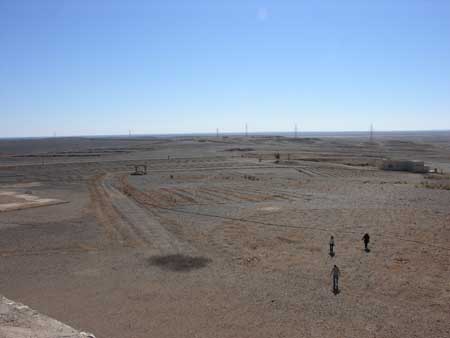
[{"x": 436, "y": 181}]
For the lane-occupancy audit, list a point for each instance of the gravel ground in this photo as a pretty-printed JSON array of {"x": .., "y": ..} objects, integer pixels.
[{"x": 215, "y": 243}]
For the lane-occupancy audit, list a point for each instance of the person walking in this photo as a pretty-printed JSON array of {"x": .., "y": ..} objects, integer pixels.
[
  {"x": 331, "y": 246},
  {"x": 366, "y": 239},
  {"x": 335, "y": 273}
]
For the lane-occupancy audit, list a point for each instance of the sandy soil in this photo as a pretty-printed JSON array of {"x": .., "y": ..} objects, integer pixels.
[
  {"x": 4, "y": 199},
  {"x": 221, "y": 241}
]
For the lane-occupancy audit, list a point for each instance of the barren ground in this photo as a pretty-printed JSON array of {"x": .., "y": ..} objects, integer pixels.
[{"x": 221, "y": 241}]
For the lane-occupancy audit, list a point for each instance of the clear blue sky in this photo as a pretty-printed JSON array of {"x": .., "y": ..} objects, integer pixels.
[{"x": 104, "y": 67}]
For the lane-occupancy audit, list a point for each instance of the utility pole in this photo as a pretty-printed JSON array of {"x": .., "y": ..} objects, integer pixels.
[
  {"x": 371, "y": 133},
  {"x": 246, "y": 130},
  {"x": 217, "y": 132}
]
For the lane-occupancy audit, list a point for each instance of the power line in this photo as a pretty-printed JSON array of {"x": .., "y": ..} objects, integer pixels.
[{"x": 328, "y": 230}]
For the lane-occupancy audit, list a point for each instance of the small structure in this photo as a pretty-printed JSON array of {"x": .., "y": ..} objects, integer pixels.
[
  {"x": 140, "y": 169},
  {"x": 399, "y": 165}
]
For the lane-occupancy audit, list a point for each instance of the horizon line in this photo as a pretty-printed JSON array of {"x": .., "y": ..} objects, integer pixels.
[{"x": 228, "y": 133}]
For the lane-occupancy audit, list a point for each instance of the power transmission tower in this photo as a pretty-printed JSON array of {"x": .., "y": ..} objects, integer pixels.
[
  {"x": 246, "y": 130},
  {"x": 217, "y": 132},
  {"x": 371, "y": 133},
  {"x": 295, "y": 131}
]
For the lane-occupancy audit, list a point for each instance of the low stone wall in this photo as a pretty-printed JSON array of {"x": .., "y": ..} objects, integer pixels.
[{"x": 19, "y": 321}]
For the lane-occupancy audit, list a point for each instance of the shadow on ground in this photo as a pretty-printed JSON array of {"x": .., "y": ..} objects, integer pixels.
[{"x": 179, "y": 262}]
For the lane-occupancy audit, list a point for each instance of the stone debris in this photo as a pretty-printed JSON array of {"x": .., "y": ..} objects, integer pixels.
[{"x": 20, "y": 321}]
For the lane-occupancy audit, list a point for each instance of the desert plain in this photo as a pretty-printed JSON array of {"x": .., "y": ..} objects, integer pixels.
[{"x": 227, "y": 236}]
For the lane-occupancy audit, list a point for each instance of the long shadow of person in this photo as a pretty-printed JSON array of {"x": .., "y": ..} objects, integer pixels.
[{"x": 335, "y": 274}]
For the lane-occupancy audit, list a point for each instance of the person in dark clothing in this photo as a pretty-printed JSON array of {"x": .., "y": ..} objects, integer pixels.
[
  {"x": 366, "y": 239},
  {"x": 335, "y": 273},
  {"x": 331, "y": 246}
]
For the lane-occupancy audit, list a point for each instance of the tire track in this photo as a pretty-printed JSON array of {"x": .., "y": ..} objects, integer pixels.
[
  {"x": 276, "y": 193},
  {"x": 260, "y": 196},
  {"x": 146, "y": 225},
  {"x": 180, "y": 197},
  {"x": 214, "y": 195},
  {"x": 113, "y": 223},
  {"x": 243, "y": 196}
]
